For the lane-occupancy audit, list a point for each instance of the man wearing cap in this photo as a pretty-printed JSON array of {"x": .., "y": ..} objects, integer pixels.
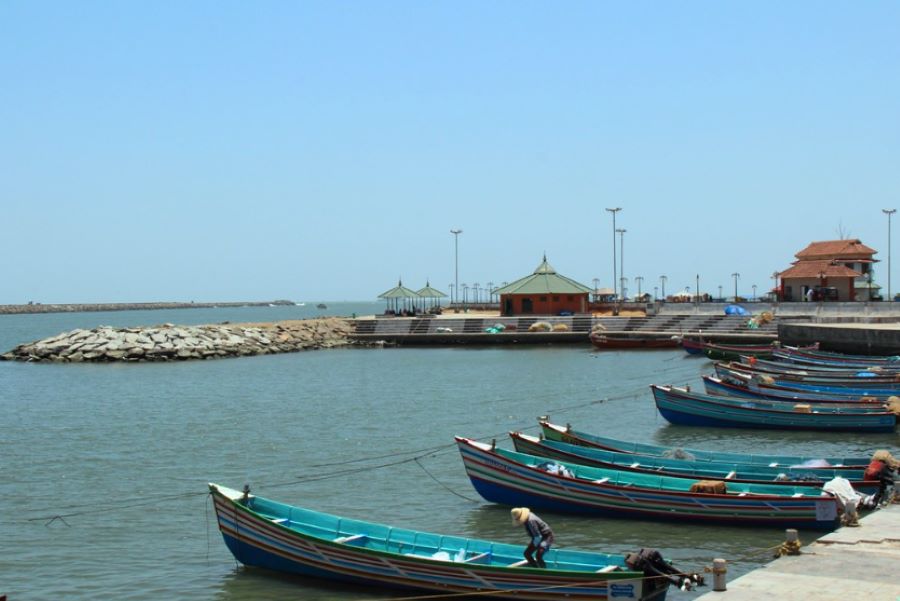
[{"x": 540, "y": 533}]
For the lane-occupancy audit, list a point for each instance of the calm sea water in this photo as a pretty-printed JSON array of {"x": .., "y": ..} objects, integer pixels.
[{"x": 104, "y": 467}]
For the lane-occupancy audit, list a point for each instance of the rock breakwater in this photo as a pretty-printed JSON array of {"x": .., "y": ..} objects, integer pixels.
[{"x": 168, "y": 342}]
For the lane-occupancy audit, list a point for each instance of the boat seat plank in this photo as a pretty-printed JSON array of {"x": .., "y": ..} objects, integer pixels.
[
  {"x": 518, "y": 563},
  {"x": 606, "y": 569},
  {"x": 347, "y": 539},
  {"x": 279, "y": 520},
  {"x": 477, "y": 557}
]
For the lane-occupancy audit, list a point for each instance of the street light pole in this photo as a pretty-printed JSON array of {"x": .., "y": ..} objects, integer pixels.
[
  {"x": 754, "y": 291},
  {"x": 622, "y": 258},
  {"x": 639, "y": 279},
  {"x": 698, "y": 289},
  {"x": 456, "y": 234},
  {"x": 888, "y": 212},
  {"x": 614, "y": 211},
  {"x": 735, "y": 275},
  {"x": 662, "y": 281}
]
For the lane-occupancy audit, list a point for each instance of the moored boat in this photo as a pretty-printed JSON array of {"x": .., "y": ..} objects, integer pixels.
[
  {"x": 750, "y": 388},
  {"x": 683, "y": 468},
  {"x": 511, "y": 478},
  {"x": 603, "y": 341},
  {"x": 717, "y": 351},
  {"x": 265, "y": 533},
  {"x": 785, "y": 373},
  {"x": 580, "y": 437},
  {"x": 683, "y": 407},
  {"x": 831, "y": 359}
]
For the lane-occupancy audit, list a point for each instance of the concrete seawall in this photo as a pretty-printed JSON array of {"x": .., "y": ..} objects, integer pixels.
[{"x": 857, "y": 338}]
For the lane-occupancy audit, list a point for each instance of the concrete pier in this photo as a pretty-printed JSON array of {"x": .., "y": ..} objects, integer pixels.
[
  {"x": 850, "y": 563},
  {"x": 858, "y": 338}
]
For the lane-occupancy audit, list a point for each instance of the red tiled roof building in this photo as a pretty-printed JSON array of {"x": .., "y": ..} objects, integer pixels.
[{"x": 830, "y": 270}]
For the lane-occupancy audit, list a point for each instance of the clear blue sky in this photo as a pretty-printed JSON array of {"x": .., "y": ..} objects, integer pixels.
[{"x": 322, "y": 150}]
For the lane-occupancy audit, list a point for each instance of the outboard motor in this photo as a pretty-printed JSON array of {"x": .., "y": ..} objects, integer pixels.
[{"x": 651, "y": 563}]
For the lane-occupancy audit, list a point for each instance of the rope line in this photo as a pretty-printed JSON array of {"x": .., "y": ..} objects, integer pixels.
[
  {"x": 419, "y": 463},
  {"x": 72, "y": 510}
]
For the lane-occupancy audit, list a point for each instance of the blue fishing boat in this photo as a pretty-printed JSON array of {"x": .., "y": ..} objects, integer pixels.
[
  {"x": 840, "y": 360},
  {"x": 683, "y": 407},
  {"x": 751, "y": 388},
  {"x": 786, "y": 374},
  {"x": 684, "y": 468},
  {"x": 264, "y": 533},
  {"x": 511, "y": 478},
  {"x": 579, "y": 437}
]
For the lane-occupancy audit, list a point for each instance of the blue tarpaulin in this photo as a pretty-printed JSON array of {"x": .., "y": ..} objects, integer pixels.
[{"x": 736, "y": 310}]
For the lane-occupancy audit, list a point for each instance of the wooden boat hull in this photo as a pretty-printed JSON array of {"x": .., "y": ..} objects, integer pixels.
[
  {"x": 256, "y": 539},
  {"x": 567, "y": 434},
  {"x": 603, "y": 342},
  {"x": 793, "y": 377},
  {"x": 682, "y": 468},
  {"x": 826, "y": 359},
  {"x": 689, "y": 409},
  {"x": 511, "y": 478},
  {"x": 747, "y": 389}
]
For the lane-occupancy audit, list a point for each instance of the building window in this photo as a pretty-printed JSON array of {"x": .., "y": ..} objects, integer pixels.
[
  {"x": 555, "y": 299},
  {"x": 570, "y": 297},
  {"x": 543, "y": 299}
]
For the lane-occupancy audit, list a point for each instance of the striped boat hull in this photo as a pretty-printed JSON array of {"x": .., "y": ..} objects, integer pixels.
[
  {"x": 513, "y": 479},
  {"x": 689, "y": 409},
  {"x": 256, "y": 541}
]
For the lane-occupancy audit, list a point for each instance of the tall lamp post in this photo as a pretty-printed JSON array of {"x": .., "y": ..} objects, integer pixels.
[
  {"x": 639, "y": 279},
  {"x": 720, "y": 291},
  {"x": 775, "y": 285},
  {"x": 662, "y": 283},
  {"x": 614, "y": 211},
  {"x": 889, "y": 212},
  {"x": 698, "y": 289},
  {"x": 490, "y": 286},
  {"x": 621, "y": 233},
  {"x": 735, "y": 275},
  {"x": 456, "y": 234},
  {"x": 754, "y": 291}
]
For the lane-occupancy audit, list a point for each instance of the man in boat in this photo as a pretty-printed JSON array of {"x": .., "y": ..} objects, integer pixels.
[{"x": 540, "y": 533}]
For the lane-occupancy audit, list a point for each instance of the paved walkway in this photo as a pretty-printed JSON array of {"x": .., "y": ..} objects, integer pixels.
[{"x": 850, "y": 563}]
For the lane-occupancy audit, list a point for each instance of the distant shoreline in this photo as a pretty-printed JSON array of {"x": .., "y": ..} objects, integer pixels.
[{"x": 89, "y": 307}]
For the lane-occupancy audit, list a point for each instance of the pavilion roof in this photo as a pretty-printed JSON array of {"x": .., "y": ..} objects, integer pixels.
[
  {"x": 399, "y": 291},
  {"x": 544, "y": 280},
  {"x": 429, "y": 292}
]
